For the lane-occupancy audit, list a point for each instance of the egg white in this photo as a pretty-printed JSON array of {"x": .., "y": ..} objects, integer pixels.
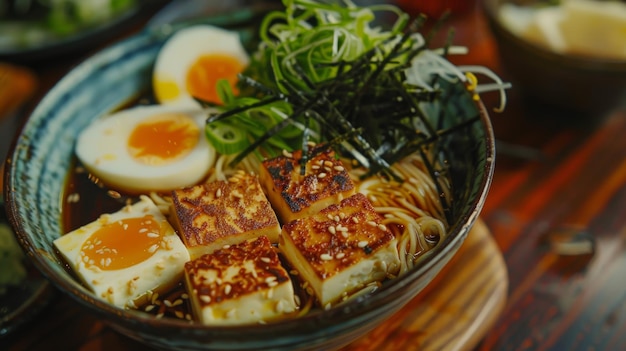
[
  {"x": 184, "y": 47},
  {"x": 120, "y": 287},
  {"x": 102, "y": 148}
]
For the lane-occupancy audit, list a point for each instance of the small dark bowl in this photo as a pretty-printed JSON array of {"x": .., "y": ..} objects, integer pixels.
[{"x": 581, "y": 85}]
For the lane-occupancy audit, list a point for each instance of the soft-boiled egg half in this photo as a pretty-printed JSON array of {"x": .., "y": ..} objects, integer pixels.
[
  {"x": 147, "y": 148},
  {"x": 122, "y": 255},
  {"x": 193, "y": 60}
]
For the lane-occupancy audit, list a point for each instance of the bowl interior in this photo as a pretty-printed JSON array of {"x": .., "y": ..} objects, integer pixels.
[{"x": 39, "y": 163}]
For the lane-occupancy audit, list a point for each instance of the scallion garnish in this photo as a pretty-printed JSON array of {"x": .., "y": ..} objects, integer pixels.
[{"x": 330, "y": 72}]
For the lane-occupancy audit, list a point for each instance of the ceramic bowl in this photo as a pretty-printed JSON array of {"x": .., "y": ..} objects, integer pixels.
[
  {"x": 571, "y": 83},
  {"x": 42, "y": 155}
]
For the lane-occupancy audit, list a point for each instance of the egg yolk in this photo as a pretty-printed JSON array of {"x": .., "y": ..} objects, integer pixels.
[
  {"x": 164, "y": 138},
  {"x": 122, "y": 244},
  {"x": 165, "y": 89},
  {"x": 203, "y": 75}
]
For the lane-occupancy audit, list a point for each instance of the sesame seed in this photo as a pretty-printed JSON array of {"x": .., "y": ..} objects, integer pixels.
[
  {"x": 340, "y": 255},
  {"x": 73, "y": 198},
  {"x": 342, "y": 215},
  {"x": 218, "y": 193},
  {"x": 226, "y": 247},
  {"x": 167, "y": 303},
  {"x": 184, "y": 296},
  {"x": 332, "y": 230},
  {"x": 326, "y": 257},
  {"x": 177, "y": 302},
  {"x": 280, "y": 306},
  {"x": 152, "y": 235},
  {"x": 321, "y": 175},
  {"x": 341, "y": 228},
  {"x": 339, "y": 168},
  {"x": 114, "y": 194},
  {"x": 344, "y": 234},
  {"x": 328, "y": 163},
  {"x": 372, "y": 223},
  {"x": 205, "y": 298},
  {"x": 153, "y": 248},
  {"x": 336, "y": 218},
  {"x": 287, "y": 153},
  {"x": 362, "y": 244},
  {"x": 270, "y": 279},
  {"x": 355, "y": 219},
  {"x": 296, "y": 298},
  {"x": 315, "y": 167},
  {"x": 149, "y": 308},
  {"x": 179, "y": 314},
  {"x": 382, "y": 227},
  {"x": 266, "y": 259},
  {"x": 227, "y": 289}
]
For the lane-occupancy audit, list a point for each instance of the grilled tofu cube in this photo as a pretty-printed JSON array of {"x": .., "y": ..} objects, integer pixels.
[
  {"x": 240, "y": 284},
  {"x": 123, "y": 255},
  {"x": 209, "y": 216},
  {"x": 340, "y": 249},
  {"x": 294, "y": 195}
]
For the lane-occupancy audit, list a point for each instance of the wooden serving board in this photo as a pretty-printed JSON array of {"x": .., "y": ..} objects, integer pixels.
[{"x": 454, "y": 313}]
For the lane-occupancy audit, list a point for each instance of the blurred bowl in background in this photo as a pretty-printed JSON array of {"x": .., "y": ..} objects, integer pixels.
[{"x": 584, "y": 85}]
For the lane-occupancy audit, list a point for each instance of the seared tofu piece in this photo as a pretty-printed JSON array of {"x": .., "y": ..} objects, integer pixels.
[
  {"x": 341, "y": 249},
  {"x": 123, "y": 255},
  {"x": 240, "y": 284},
  {"x": 209, "y": 216},
  {"x": 295, "y": 195}
]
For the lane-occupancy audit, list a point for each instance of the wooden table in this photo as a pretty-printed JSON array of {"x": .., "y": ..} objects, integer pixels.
[{"x": 550, "y": 248}]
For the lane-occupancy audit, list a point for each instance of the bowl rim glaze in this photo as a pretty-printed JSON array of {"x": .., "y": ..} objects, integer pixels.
[{"x": 342, "y": 316}]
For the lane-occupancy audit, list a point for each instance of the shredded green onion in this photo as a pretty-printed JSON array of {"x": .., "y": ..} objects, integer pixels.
[{"x": 339, "y": 73}]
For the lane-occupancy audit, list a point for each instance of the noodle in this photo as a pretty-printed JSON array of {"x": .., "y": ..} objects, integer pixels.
[{"x": 412, "y": 207}]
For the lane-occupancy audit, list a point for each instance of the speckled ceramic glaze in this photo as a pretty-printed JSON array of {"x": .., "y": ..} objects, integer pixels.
[{"x": 39, "y": 164}]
